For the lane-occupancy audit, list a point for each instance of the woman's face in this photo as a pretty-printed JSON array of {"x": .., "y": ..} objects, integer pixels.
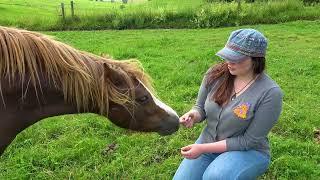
[{"x": 242, "y": 68}]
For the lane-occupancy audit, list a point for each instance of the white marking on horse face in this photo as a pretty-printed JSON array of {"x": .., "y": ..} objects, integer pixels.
[
  {"x": 165, "y": 107},
  {"x": 160, "y": 104}
]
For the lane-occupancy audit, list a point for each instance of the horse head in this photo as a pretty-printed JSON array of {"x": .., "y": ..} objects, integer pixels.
[{"x": 143, "y": 111}]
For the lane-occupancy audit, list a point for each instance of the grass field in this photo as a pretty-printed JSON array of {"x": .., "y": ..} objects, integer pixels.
[
  {"x": 76, "y": 146},
  {"x": 139, "y": 14}
]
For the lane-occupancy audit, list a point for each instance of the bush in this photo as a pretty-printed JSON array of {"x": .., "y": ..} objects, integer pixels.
[{"x": 311, "y": 2}]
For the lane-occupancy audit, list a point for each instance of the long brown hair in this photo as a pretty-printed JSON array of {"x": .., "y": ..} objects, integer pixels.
[{"x": 225, "y": 86}]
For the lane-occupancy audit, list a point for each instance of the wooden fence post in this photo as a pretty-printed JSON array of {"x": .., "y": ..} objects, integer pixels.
[
  {"x": 62, "y": 11},
  {"x": 72, "y": 9},
  {"x": 239, "y": 6}
]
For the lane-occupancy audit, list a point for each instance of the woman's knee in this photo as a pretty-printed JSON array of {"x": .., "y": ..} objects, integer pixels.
[
  {"x": 236, "y": 169},
  {"x": 217, "y": 173},
  {"x": 183, "y": 170},
  {"x": 193, "y": 168}
]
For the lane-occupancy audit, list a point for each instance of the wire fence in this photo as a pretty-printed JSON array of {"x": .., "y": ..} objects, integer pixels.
[
  {"x": 54, "y": 9},
  {"x": 48, "y": 6},
  {"x": 30, "y": 5},
  {"x": 63, "y": 7}
]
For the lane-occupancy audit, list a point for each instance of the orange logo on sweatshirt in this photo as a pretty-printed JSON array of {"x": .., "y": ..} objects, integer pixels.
[{"x": 242, "y": 110}]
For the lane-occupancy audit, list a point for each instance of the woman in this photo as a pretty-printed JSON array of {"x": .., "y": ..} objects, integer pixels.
[{"x": 241, "y": 104}]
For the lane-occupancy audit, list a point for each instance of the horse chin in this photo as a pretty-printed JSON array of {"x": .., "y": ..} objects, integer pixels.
[{"x": 167, "y": 132}]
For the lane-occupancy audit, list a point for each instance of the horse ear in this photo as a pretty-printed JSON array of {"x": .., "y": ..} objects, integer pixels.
[{"x": 111, "y": 74}]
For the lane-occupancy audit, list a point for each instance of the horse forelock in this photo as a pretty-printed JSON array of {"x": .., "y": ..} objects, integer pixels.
[{"x": 78, "y": 74}]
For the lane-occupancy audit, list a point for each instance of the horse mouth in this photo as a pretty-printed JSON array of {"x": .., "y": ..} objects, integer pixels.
[{"x": 169, "y": 127}]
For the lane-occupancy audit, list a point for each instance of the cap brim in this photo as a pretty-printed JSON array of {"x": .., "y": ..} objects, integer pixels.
[{"x": 230, "y": 55}]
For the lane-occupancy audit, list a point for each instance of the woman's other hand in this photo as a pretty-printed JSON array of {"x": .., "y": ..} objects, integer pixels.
[{"x": 192, "y": 151}]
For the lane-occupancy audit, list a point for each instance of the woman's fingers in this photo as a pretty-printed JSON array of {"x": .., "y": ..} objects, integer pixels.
[
  {"x": 185, "y": 119},
  {"x": 189, "y": 122},
  {"x": 186, "y": 148},
  {"x": 186, "y": 151}
]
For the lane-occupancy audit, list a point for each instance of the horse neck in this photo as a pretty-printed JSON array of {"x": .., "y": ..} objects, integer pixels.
[
  {"x": 38, "y": 103},
  {"x": 17, "y": 112},
  {"x": 22, "y": 108}
]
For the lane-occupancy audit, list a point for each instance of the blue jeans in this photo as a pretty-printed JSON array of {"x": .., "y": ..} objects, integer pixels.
[{"x": 229, "y": 165}]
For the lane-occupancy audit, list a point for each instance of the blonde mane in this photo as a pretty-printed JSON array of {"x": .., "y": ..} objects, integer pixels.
[{"x": 82, "y": 77}]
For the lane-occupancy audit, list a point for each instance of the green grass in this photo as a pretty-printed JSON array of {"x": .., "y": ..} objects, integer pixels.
[
  {"x": 92, "y": 15},
  {"x": 74, "y": 146}
]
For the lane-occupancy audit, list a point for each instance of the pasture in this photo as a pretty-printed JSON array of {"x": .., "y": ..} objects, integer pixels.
[{"x": 87, "y": 146}]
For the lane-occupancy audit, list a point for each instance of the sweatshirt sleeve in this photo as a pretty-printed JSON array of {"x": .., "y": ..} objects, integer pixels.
[
  {"x": 265, "y": 117},
  {"x": 201, "y": 99}
]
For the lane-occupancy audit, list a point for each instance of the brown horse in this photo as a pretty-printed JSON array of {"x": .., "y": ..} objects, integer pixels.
[{"x": 41, "y": 77}]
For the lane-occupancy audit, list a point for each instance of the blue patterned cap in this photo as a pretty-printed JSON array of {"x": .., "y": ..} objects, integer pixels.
[{"x": 244, "y": 43}]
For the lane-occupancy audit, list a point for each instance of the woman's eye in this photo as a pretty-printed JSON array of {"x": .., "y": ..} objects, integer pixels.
[{"x": 142, "y": 99}]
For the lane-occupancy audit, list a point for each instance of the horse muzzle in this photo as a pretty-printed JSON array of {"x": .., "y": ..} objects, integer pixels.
[{"x": 169, "y": 126}]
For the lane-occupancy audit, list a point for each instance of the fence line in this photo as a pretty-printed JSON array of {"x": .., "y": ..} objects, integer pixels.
[
  {"x": 27, "y": 5},
  {"x": 63, "y": 8}
]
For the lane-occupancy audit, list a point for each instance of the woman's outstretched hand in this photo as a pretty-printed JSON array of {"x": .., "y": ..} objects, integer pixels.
[
  {"x": 189, "y": 118},
  {"x": 192, "y": 151}
]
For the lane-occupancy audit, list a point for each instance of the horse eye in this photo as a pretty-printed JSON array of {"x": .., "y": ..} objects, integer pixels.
[
  {"x": 142, "y": 99},
  {"x": 115, "y": 109}
]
